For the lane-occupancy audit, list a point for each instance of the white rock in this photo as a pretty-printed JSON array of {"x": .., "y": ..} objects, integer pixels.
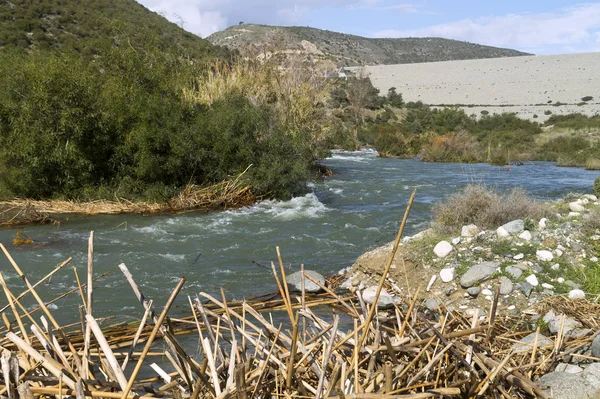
[
  {"x": 569, "y": 368},
  {"x": 544, "y": 256},
  {"x": 442, "y": 249},
  {"x": 574, "y": 214},
  {"x": 502, "y": 233},
  {"x": 456, "y": 241},
  {"x": 469, "y": 231},
  {"x": 558, "y": 253},
  {"x": 447, "y": 275},
  {"x": 555, "y": 266},
  {"x": 590, "y": 197},
  {"x": 542, "y": 223},
  {"x": 576, "y": 294},
  {"x": 594, "y": 259},
  {"x": 560, "y": 280},
  {"x": 518, "y": 256},
  {"x": 511, "y": 307},
  {"x": 576, "y": 207},
  {"x": 486, "y": 292},
  {"x": 548, "y": 286},
  {"x": 526, "y": 235},
  {"x": 532, "y": 279}
]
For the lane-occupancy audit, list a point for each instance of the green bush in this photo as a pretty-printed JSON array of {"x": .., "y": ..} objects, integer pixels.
[
  {"x": 119, "y": 126},
  {"x": 596, "y": 186}
]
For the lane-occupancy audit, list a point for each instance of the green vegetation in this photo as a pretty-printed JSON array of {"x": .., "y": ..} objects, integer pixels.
[
  {"x": 596, "y": 186},
  {"x": 83, "y": 27},
  {"x": 339, "y": 49},
  {"x": 128, "y": 122}
]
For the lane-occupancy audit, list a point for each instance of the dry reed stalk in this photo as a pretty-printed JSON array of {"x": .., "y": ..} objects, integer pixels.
[
  {"x": 387, "y": 267},
  {"x": 150, "y": 340}
]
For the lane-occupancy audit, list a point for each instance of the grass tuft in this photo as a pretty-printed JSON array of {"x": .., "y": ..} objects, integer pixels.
[{"x": 486, "y": 208}]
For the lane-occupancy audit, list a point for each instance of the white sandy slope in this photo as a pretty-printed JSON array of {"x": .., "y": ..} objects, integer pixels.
[{"x": 525, "y": 85}]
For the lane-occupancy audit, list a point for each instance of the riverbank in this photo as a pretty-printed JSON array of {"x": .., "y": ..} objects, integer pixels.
[
  {"x": 230, "y": 194},
  {"x": 540, "y": 271}
]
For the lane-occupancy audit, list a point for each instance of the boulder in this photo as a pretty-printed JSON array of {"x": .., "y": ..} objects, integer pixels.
[
  {"x": 442, "y": 249},
  {"x": 569, "y": 325},
  {"x": 526, "y": 343},
  {"x": 502, "y": 233},
  {"x": 596, "y": 346},
  {"x": 515, "y": 272},
  {"x": 447, "y": 275},
  {"x": 544, "y": 256},
  {"x": 526, "y": 235},
  {"x": 433, "y": 304},
  {"x": 532, "y": 279},
  {"x": 294, "y": 281},
  {"x": 469, "y": 231},
  {"x": 506, "y": 285},
  {"x": 592, "y": 375},
  {"x": 576, "y": 294},
  {"x": 561, "y": 385},
  {"x": 516, "y": 226},
  {"x": 478, "y": 273},
  {"x": 526, "y": 288},
  {"x": 569, "y": 368},
  {"x": 576, "y": 207},
  {"x": 386, "y": 300}
]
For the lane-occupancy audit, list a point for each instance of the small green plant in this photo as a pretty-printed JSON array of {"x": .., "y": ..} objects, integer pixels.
[
  {"x": 529, "y": 224},
  {"x": 535, "y": 116},
  {"x": 587, "y": 98},
  {"x": 596, "y": 186},
  {"x": 502, "y": 247},
  {"x": 485, "y": 112},
  {"x": 547, "y": 112}
]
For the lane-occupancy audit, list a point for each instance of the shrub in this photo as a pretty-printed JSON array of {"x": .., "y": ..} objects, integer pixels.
[
  {"x": 547, "y": 112},
  {"x": 587, "y": 98},
  {"x": 486, "y": 208},
  {"x": 596, "y": 186},
  {"x": 451, "y": 147},
  {"x": 485, "y": 112},
  {"x": 592, "y": 164}
]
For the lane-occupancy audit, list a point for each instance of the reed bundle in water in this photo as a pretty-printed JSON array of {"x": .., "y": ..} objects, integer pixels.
[
  {"x": 231, "y": 193},
  {"x": 355, "y": 351}
]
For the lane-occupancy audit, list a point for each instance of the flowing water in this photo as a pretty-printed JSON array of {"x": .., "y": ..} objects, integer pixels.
[{"x": 345, "y": 215}]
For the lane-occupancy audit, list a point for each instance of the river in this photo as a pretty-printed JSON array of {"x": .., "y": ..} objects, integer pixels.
[{"x": 345, "y": 215}]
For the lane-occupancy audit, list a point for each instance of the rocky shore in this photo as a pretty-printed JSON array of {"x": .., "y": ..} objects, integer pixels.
[{"x": 525, "y": 263}]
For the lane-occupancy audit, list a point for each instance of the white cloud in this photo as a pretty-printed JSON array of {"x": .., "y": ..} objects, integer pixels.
[{"x": 573, "y": 29}]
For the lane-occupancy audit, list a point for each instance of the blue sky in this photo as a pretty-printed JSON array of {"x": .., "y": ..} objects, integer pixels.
[{"x": 540, "y": 27}]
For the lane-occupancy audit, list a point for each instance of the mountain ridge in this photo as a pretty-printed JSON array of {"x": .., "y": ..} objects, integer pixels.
[{"x": 334, "y": 49}]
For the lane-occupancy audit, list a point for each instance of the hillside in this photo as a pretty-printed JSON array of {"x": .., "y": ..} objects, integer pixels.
[
  {"x": 87, "y": 26},
  {"x": 339, "y": 49}
]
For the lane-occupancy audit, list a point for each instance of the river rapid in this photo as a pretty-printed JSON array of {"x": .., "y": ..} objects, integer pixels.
[{"x": 343, "y": 216}]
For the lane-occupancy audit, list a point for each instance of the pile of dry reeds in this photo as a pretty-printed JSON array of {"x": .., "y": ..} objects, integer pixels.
[
  {"x": 227, "y": 194},
  {"x": 404, "y": 352}
]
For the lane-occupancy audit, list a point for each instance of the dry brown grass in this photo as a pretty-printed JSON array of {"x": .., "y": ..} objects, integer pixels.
[
  {"x": 227, "y": 194},
  {"x": 486, "y": 208}
]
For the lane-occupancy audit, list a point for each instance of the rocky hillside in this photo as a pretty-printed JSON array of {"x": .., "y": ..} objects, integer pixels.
[
  {"x": 339, "y": 49},
  {"x": 84, "y": 27}
]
